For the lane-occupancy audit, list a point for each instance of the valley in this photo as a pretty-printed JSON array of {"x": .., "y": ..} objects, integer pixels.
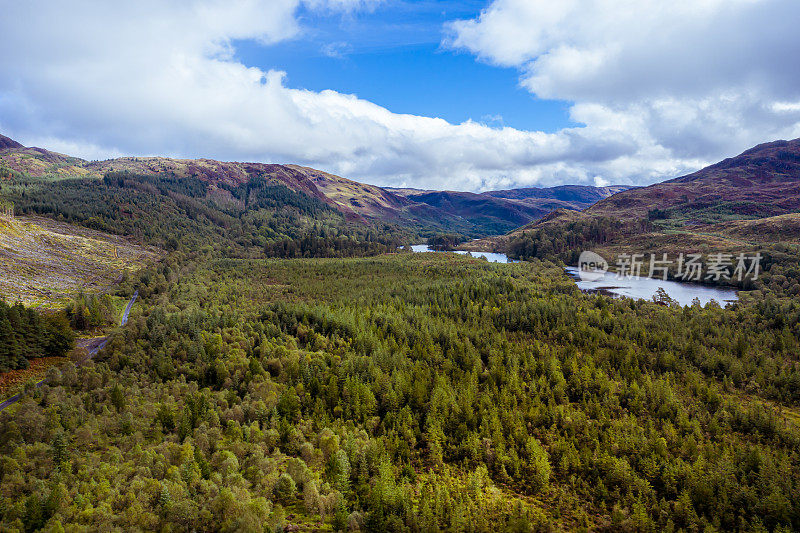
[
  {"x": 290, "y": 365},
  {"x": 365, "y": 266}
]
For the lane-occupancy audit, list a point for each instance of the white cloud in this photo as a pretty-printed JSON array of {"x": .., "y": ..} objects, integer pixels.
[
  {"x": 599, "y": 181},
  {"x": 154, "y": 77},
  {"x": 691, "y": 80}
]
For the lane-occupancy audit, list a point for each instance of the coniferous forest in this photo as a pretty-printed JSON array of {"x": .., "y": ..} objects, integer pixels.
[
  {"x": 282, "y": 372},
  {"x": 26, "y": 334}
]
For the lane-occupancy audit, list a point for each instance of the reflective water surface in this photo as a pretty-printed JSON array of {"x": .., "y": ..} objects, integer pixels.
[
  {"x": 634, "y": 287},
  {"x": 645, "y": 288},
  {"x": 492, "y": 257}
]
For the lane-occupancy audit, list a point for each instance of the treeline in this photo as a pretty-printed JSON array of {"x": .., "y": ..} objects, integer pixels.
[
  {"x": 414, "y": 393},
  {"x": 445, "y": 241},
  {"x": 311, "y": 245},
  {"x": 26, "y": 334}
]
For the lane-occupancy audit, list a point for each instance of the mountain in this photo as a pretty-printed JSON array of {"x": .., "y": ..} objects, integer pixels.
[
  {"x": 37, "y": 161},
  {"x": 498, "y": 214},
  {"x": 370, "y": 202},
  {"x": 742, "y": 204},
  {"x": 749, "y": 200},
  {"x": 8, "y": 144},
  {"x": 761, "y": 182},
  {"x": 579, "y": 196},
  {"x": 427, "y": 212},
  {"x": 505, "y": 210}
]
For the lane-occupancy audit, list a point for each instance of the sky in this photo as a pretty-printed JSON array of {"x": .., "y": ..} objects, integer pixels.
[{"x": 471, "y": 95}]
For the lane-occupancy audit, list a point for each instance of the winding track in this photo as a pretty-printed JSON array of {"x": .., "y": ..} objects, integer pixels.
[{"x": 92, "y": 346}]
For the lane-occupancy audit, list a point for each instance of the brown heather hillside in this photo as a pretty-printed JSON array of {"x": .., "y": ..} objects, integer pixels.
[
  {"x": 761, "y": 182},
  {"x": 467, "y": 204},
  {"x": 576, "y": 196},
  {"x": 8, "y": 144},
  {"x": 351, "y": 196},
  {"x": 37, "y": 162}
]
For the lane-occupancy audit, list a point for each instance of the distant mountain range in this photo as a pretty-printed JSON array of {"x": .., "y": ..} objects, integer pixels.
[
  {"x": 515, "y": 207},
  {"x": 472, "y": 214}
]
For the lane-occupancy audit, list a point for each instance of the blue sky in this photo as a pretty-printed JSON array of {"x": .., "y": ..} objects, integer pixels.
[{"x": 392, "y": 55}]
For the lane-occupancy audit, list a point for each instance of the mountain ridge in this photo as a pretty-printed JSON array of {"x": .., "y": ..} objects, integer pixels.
[
  {"x": 762, "y": 181},
  {"x": 470, "y": 214}
]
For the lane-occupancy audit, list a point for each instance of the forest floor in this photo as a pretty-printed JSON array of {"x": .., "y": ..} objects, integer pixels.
[{"x": 44, "y": 262}]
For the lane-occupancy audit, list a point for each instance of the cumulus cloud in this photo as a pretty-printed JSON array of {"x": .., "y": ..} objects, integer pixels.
[
  {"x": 696, "y": 78},
  {"x": 156, "y": 77}
]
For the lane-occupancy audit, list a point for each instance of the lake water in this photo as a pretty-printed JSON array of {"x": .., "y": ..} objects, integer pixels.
[
  {"x": 645, "y": 288},
  {"x": 492, "y": 257},
  {"x": 635, "y": 287}
]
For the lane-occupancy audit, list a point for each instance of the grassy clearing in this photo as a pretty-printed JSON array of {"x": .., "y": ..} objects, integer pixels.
[{"x": 44, "y": 262}]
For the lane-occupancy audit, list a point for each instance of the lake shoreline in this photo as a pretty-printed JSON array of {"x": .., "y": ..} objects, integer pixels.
[
  {"x": 645, "y": 288},
  {"x": 636, "y": 287}
]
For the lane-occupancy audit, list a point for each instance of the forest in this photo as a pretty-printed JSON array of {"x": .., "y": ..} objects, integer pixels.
[
  {"x": 281, "y": 372},
  {"x": 566, "y": 241},
  {"x": 413, "y": 392},
  {"x": 27, "y": 334}
]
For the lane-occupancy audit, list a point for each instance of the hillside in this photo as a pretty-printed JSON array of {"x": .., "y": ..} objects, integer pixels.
[
  {"x": 740, "y": 204},
  {"x": 579, "y": 196},
  {"x": 426, "y": 212},
  {"x": 781, "y": 228},
  {"x": 43, "y": 262},
  {"x": 370, "y": 202},
  {"x": 499, "y": 214},
  {"x": 506, "y": 210},
  {"x": 499, "y": 243},
  {"x": 37, "y": 162},
  {"x": 761, "y": 182}
]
